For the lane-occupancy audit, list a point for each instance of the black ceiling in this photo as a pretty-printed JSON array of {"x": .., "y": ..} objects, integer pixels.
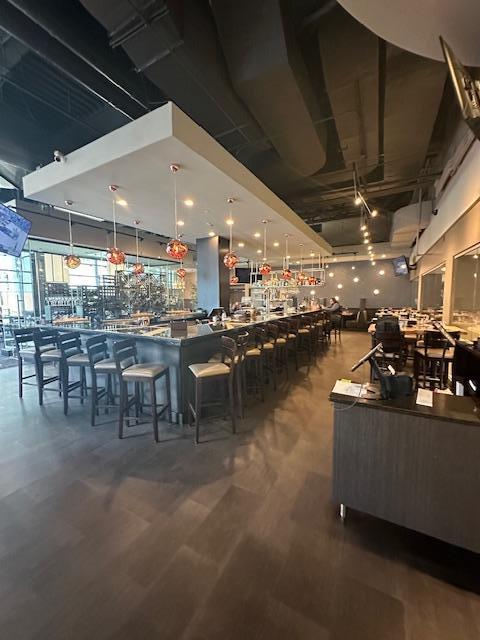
[{"x": 296, "y": 90}]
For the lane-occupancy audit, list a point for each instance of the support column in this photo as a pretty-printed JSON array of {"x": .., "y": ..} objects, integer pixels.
[{"x": 213, "y": 278}]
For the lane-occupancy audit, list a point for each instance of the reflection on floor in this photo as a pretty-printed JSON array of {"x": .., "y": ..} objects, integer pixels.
[{"x": 233, "y": 539}]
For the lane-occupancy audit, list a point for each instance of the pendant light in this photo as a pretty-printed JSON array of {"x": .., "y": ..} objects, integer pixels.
[
  {"x": 72, "y": 261},
  {"x": 286, "y": 273},
  {"x": 234, "y": 279},
  {"x": 114, "y": 255},
  {"x": 230, "y": 259},
  {"x": 176, "y": 249},
  {"x": 321, "y": 271},
  {"x": 138, "y": 267},
  {"x": 301, "y": 277},
  {"x": 265, "y": 268},
  {"x": 181, "y": 273}
]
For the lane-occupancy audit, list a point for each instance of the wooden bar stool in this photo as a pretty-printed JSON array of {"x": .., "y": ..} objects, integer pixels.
[
  {"x": 130, "y": 371},
  {"x": 214, "y": 372},
  {"x": 280, "y": 351},
  {"x": 290, "y": 342},
  {"x": 25, "y": 352},
  {"x": 253, "y": 364},
  {"x": 71, "y": 355},
  {"x": 100, "y": 363},
  {"x": 47, "y": 352}
]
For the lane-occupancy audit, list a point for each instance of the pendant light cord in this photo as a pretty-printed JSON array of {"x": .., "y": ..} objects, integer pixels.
[
  {"x": 70, "y": 230},
  {"x": 175, "y": 203},
  {"x": 114, "y": 222},
  {"x": 136, "y": 241},
  {"x": 265, "y": 242}
]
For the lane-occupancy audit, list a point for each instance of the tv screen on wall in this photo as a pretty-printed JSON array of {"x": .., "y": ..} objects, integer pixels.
[
  {"x": 400, "y": 266},
  {"x": 14, "y": 230}
]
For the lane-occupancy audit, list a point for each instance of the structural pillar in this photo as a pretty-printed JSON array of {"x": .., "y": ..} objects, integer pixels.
[{"x": 213, "y": 278}]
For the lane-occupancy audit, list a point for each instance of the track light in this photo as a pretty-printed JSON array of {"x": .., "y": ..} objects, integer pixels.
[
  {"x": 358, "y": 199},
  {"x": 374, "y": 213}
]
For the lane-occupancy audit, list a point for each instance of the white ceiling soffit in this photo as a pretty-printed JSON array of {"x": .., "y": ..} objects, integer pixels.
[
  {"x": 349, "y": 54},
  {"x": 137, "y": 157},
  {"x": 416, "y": 26}
]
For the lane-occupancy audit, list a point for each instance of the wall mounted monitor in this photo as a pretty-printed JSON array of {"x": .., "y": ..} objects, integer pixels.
[
  {"x": 14, "y": 230},
  {"x": 400, "y": 266}
]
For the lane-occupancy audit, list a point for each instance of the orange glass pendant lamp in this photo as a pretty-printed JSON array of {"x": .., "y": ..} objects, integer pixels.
[
  {"x": 176, "y": 249},
  {"x": 72, "y": 261},
  {"x": 114, "y": 254}
]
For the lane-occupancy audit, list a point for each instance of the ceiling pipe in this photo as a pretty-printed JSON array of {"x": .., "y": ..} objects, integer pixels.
[{"x": 51, "y": 40}]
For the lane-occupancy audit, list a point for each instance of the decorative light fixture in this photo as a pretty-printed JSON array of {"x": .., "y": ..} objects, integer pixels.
[
  {"x": 353, "y": 268},
  {"x": 230, "y": 259},
  {"x": 188, "y": 202},
  {"x": 381, "y": 272},
  {"x": 265, "y": 268},
  {"x": 331, "y": 274},
  {"x": 241, "y": 244},
  {"x": 339, "y": 286},
  {"x": 234, "y": 279},
  {"x": 114, "y": 254},
  {"x": 286, "y": 273},
  {"x": 176, "y": 249},
  {"x": 181, "y": 273},
  {"x": 257, "y": 234},
  {"x": 138, "y": 267},
  {"x": 365, "y": 241},
  {"x": 376, "y": 292},
  {"x": 72, "y": 261},
  {"x": 211, "y": 233},
  {"x": 355, "y": 279},
  {"x": 374, "y": 213}
]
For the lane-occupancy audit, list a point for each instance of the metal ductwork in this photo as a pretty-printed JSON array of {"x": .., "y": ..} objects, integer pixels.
[
  {"x": 350, "y": 60},
  {"x": 269, "y": 75},
  {"x": 413, "y": 91},
  {"x": 175, "y": 45},
  {"x": 407, "y": 221}
]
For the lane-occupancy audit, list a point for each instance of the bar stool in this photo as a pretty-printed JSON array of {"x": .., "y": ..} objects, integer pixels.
[
  {"x": 128, "y": 369},
  {"x": 46, "y": 352},
  {"x": 280, "y": 351},
  {"x": 304, "y": 341},
  {"x": 217, "y": 372},
  {"x": 71, "y": 355},
  {"x": 290, "y": 342},
  {"x": 100, "y": 363},
  {"x": 253, "y": 364},
  {"x": 25, "y": 352}
]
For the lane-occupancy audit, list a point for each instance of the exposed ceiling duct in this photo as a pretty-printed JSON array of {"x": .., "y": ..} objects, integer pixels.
[
  {"x": 268, "y": 73},
  {"x": 350, "y": 60},
  {"x": 407, "y": 221},
  {"x": 413, "y": 92},
  {"x": 175, "y": 45}
]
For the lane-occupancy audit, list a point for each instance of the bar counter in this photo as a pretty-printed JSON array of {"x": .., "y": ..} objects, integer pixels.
[{"x": 157, "y": 344}]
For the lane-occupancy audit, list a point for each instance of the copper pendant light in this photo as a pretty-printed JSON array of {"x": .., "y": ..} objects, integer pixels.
[
  {"x": 72, "y": 261},
  {"x": 114, "y": 254},
  {"x": 286, "y": 273},
  {"x": 176, "y": 249},
  {"x": 230, "y": 259},
  {"x": 265, "y": 268}
]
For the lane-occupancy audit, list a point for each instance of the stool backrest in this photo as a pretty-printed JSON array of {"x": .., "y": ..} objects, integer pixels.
[
  {"x": 283, "y": 328},
  {"x": 229, "y": 351},
  {"x": 24, "y": 337},
  {"x": 272, "y": 332},
  {"x": 124, "y": 353},
  {"x": 69, "y": 343},
  {"x": 97, "y": 349},
  {"x": 46, "y": 338},
  {"x": 242, "y": 342},
  {"x": 260, "y": 336}
]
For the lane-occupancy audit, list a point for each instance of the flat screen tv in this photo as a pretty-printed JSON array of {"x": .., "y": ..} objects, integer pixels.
[
  {"x": 14, "y": 230},
  {"x": 466, "y": 88},
  {"x": 400, "y": 266}
]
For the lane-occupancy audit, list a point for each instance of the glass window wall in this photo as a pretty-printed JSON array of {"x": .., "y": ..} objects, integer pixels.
[{"x": 466, "y": 293}]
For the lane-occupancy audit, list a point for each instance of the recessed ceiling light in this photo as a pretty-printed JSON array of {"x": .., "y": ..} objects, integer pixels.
[
  {"x": 229, "y": 222},
  {"x": 331, "y": 274},
  {"x": 188, "y": 202},
  {"x": 276, "y": 244},
  {"x": 475, "y": 257},
  {"x": 256, "y": 234},
  {"x": 334, "y": 259},
  {"x": 376, "y": 292},
  {"x": 353, "y": 268},
  {"x": 312, "y": 254},
  {"x": 259, "y": 251},
  {"x": 381, "y": 272},
  {"x": 241, "y": 244},
  {"x": 339, "y": 286},
  {"x": 122, "y": 202},
  {"x": 211, "y": 233},
  {"x": 384, "y": 255},
  {"x": 180, "y": 223},
  {"x": 355, "y": 279},
  {"x": 373, "y": 263}
]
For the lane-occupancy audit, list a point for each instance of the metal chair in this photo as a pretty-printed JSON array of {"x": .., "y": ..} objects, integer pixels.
[
  {"x": 214, "y": 372},
  {"x": 129, "y": 370},
  {"x": 432, "y": 359}
]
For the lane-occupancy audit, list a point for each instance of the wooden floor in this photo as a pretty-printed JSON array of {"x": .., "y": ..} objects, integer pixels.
[{"x": 233, "y": 539}]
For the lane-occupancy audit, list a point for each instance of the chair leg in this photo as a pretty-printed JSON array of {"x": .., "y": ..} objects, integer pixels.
[
  {"x": 93, "y": 399},
  {"x": 64, "y": 375},
  {"x": 231, "y": 398},
  {"x": 198, "y": 409},
  {"x": 20, "y": 376},
  {"x": 153, "y": 394},
  {"x": 121, "y": 409},
  {"x": 238, "y": 379},
  {"x": 39, "y": 378},
  {"x": 168, "y": 395}
]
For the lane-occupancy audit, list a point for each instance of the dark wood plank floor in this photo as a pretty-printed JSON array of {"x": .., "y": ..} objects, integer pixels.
[{"x": 234, "y": 539}]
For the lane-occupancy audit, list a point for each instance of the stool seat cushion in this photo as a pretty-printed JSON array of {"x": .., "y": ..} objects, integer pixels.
[
  {"x": 268, "y": 345},
  {"x": 304, "y": 330},
  {"x": 78, "y": 360},
  {"x": 53, "y": 355},
  {"x": 252, "y": 353},
  {"x": 107, "y": 365},
  {"x": 209, "y": 369},
  {"x": 146, "y": 371},
  {"x": 281, "y": 341},
  {"x": 292, "y": 336}
]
